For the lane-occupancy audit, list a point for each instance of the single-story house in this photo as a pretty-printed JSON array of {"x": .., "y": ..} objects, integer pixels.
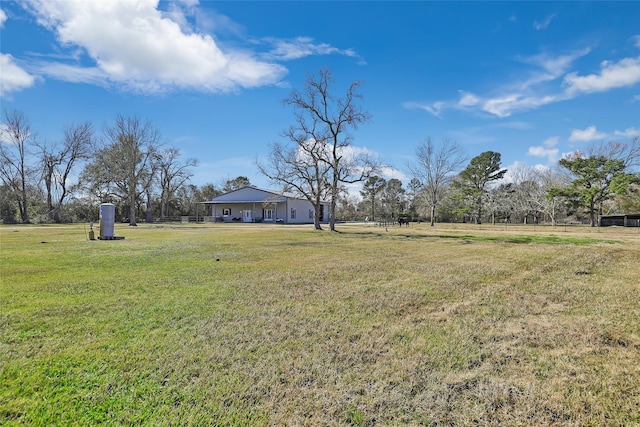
[
  {"x": 252, "y": 204},
  {"x": 629, "y": 220}
]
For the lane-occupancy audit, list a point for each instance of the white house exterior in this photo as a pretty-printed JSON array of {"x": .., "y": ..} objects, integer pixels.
[{"x": 251, "y": 204}]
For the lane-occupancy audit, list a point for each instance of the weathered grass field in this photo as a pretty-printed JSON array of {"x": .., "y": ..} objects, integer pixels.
[{"x": 413, "y": 326}]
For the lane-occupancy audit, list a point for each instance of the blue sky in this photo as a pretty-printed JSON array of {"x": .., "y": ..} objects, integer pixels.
[{"x": 531, "y": 80}]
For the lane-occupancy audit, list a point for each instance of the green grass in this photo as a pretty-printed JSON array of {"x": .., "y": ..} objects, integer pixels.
[{"x": 457, "y": 325}]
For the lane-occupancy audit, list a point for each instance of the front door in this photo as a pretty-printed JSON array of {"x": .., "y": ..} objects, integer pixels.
[{"x": 247, "y": 216}]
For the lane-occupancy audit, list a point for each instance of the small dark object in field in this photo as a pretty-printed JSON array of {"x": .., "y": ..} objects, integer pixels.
[
  {"x": 43, "y": 242},
  {"x": 217, "y": 259},
  {"x": 581, "y": 273},
  {"x": 403, "y": 220}
]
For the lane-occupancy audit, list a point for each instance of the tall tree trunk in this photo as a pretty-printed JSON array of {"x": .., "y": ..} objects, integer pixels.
[
  {"x": 49, "y": 198},
  {"x": 316, "y": 214},
  {"x": 163, "y": 208},
  {"x": 334, "y": 196},
  {"x": 132, "y": 211},
  {"x": 373, "y": 209},
  {"x": 149, "y": 218},
  {"x": 23, "y": 184},
  {"x": 24, "y": 212}
]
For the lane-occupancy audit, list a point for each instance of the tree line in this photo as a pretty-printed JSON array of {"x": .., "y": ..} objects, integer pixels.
[
  {"x": 66, "y": 180},
  {"x": 127, "y": 164},
  {"x": 583, "y": 187},
  {"x": 318, "y": 161}
]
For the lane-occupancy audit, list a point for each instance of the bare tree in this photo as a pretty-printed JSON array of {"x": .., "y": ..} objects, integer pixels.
[
  {"x": 58, "y": 163},
  {"x": 626, "y": 152},
  {"x": 499, "y": 202},
  {"x": 300, "y": 168},
  {"x": 125, "y": 166},
  {"x": 526, "y": 191},
  {"x": 172, "y": 174},
  {"x": 434, "y": 167},
  {"x": 328, "y": 121},
  {"x": 547, "y": 202},
  {"x": 16, "y": 173},
  {"x": 49, "y": 163}
]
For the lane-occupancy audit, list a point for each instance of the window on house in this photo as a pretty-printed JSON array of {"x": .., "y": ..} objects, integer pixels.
[
  {"x": 310, "y": 213},
  {"x": 293, "y": 213},
  {"x": 226, "y": 211},
  {"x": 267, "y": 215}
]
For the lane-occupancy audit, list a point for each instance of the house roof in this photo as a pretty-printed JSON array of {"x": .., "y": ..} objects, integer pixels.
[{"x": 253, "y": 195}]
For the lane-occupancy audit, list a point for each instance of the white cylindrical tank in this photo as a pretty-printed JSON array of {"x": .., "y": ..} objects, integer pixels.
[{"x": 107, "y": 220}]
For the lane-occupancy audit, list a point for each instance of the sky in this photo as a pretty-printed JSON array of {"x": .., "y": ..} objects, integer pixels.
[{"x": 530, "y": 80}]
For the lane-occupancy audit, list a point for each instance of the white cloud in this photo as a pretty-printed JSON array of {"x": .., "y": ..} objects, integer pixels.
[
  {"x": 524, "y": 95},
  {"x": 3, "y": 17},
  {"x": 521, "y": 95},
  {"x": 4, "y": 130},
  {"x": 539, "y": 151},
  {"x": 177, "y": 12},
  {"x": 535, "y": 90},
  {"x": 629, "y": 132},
  {"x": 588, "y": 134},
  {"x": 625, "y": 72},
  {"x": 352, "y": 153},
  {"x": 467, "y": 99},
  {"x": 300, "y": 47},
  {"x": 13, "y": 78},
  {"x": 137, "y": 46},
  {"x": 70, "y": 73},
  {"x": 189, "y": 3},
  {"x": 547, "y": 149},
  {"x": 389, "y": 172},
  {"x": 544, "y": 24},
  {"x": 434, "y": 109},
  {"x": 500, "y": 106},
  {"x": 549, "y": 67},
  {"x": 507, "y": 105}
]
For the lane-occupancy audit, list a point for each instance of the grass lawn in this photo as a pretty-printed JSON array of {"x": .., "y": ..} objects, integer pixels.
[{"x": 233, "y": 324}]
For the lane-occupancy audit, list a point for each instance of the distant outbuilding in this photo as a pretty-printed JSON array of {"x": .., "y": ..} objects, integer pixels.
[{"x": 624, "y": 220}]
